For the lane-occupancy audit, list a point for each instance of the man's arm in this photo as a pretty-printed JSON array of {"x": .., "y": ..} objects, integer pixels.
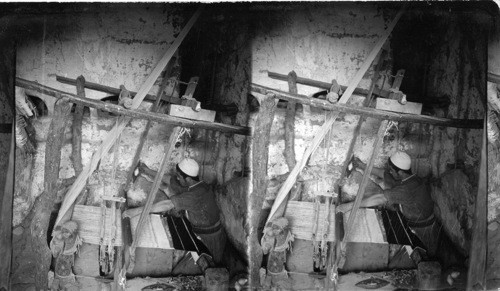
[
  {"x": 357, "y": 163},
  {"x": 372, "y": 201},
  {"x": 161, "y": 206},
  {"x": 168, "y": 191}
]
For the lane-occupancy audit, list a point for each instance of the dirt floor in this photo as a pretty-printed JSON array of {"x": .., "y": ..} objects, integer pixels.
[{"x": 401, "y": 279}]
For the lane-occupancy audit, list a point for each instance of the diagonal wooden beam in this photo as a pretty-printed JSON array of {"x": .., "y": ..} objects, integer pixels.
[
  {"x": 292, "y": 177},
  {"x": 369, "y": 112},
  {"x": 476, "y": 275},
  {"x": 167, "y": 152},
  {"x": 110, "y": 139}
]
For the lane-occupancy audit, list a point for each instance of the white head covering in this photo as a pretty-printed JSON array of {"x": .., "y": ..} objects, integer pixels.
[
  {"x": 190, "y": 167},
  {"x": 401, "y": 160}
]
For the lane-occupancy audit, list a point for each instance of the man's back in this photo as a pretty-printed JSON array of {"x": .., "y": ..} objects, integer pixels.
[{"x": 198, "y": 201}]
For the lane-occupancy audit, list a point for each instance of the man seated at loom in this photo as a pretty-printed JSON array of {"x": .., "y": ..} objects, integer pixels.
[
  {"x": 406, "y": 200},
  {"x": 193, "y": 196}
]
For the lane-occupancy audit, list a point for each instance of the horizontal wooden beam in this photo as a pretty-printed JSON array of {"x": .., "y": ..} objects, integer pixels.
[
  {"x": 369, "y": 112},
  {"x": 114, "y": 91},
  {"x": 494, "y": 78},
  {"x": 158, "y": 117},
  {"x": 326, "y": 86},
  {"x": 229, "y": 108}
]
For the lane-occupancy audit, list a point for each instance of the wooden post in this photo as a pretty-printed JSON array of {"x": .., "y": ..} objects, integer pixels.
[
  {"x": 283, "y": 192},
  {"x": 76, "y": 140},
  {"x": 7, "y": 115},
  {"x": 110, "y": 139},
  {"x": 259, "y": 152},
  {"x": 290, "y": 123},
  {"x": 6, "y": 216},
  {"x": 476, "y": 275},
  {"x": 45, "y": 202}
]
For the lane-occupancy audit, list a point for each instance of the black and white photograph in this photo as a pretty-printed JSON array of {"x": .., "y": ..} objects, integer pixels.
[{"x": 258, "y": 145}]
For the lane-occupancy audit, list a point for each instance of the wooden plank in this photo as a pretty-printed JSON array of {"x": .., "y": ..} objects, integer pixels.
[
  {"x": 153, "y": 234},
  {"x": 366, "y": 227},
  {"x": 128, "y": 113},
  {"x": 189, "y": 113},
  {"x": 115, "y": 91},
  {"x": 476, "y": 275},
  {"x": 110, "y": 139},
  {"x": 362, "y": 118},
  {"x": 170, "y": 71},
  {"x": 148, "y": 84},
  {"x": 369, "y": 112},
  {"x": 395, "y": 106},
  {"x": 193, "y": 82},
  {"x": 361, "y": 191},
  {"x": 326, "y": 85},
  {"x": 299, "y": 216},
  {"x": 130, "y": 261},
  {"x": 290, "y": 181}
]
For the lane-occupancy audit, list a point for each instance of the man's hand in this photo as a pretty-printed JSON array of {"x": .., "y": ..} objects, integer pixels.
[
  {"x": 358, "y": 164},
  {"x": 345, "y": 207},
  {"x": 161, "y": 206}
]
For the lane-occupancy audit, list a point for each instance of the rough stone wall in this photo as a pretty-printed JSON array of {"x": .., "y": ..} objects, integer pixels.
[
  {"x": 109, "y": 45},
  {"x": 456, "y": 69}
]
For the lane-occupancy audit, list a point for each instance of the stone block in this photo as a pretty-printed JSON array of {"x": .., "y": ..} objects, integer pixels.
[
  {"x": 216, "y": 279},
  {"x": 429, "y": 275}
]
